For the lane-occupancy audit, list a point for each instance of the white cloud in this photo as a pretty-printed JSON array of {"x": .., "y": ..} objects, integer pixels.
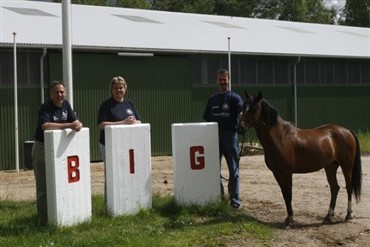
[{"x": 336, "y": 4}]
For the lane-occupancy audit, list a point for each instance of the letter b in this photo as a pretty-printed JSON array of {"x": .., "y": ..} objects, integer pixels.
[{"x": 73, "y": 172}]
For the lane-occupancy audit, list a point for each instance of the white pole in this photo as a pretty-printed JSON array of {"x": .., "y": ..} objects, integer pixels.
[
  {"x": 16, "y": 104},
  {"x": 229, "y": 60},
  {"x": 67, "y": 49},
  {"x": 42, "y": 75},
  {"x": 295, "y": 93},
  {"x": 1, "y": 22}
]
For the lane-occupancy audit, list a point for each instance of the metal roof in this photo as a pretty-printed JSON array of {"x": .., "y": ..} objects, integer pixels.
[{"x": 39, "y": 24}]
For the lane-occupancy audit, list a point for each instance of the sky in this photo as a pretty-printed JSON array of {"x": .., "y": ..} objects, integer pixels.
[{"x": 337, "y": 4}]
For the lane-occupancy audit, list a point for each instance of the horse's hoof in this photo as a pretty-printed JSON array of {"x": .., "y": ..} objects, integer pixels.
[
  {"x": 349, "y": 217},
  {"x": 289, "y": 221},
  {"x": 327, "y": 220}
]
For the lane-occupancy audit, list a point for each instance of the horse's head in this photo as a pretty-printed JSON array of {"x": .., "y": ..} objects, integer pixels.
[
  {"x": 256, "y": 112},
  {"x": 253, "y": 113}
]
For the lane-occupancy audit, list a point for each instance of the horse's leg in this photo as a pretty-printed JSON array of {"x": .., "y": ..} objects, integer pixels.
[
  {"x": 331, "y": 175},
  {"x": 348, "y": 178},
  {"x": 285, "y": 182}
]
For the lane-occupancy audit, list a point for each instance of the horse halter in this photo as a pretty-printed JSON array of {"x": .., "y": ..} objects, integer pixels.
[
  {"x": 259, "y": 124},
  {"x": 256, "y": 125}
]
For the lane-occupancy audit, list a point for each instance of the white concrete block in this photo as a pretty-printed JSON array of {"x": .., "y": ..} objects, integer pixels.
[
  {"x": 128, "y": 168},
  {"x": 195, "y": 155},
  {"x": 68, "y": 180}
]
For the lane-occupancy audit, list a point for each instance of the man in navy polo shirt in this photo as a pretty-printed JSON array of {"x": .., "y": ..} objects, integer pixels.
[
  {"x": 54, "y": 114},
  {"x": 224, "y": 108}
]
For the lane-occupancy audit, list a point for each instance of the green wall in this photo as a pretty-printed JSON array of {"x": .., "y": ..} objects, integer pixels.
[
  {"x": 161, "y": 87},
  {"x": 28, "y": 104}
]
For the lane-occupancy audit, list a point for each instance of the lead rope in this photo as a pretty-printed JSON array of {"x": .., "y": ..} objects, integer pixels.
[{"x": 241, "y": 147}]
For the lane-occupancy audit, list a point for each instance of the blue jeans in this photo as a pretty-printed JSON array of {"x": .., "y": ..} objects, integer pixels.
[{"x": 228, "y": 143}]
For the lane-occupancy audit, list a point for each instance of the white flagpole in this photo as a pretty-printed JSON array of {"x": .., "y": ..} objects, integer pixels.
[
  {"x": 229, "y": 60},
  {"x": 67, "y": 49},
  {"x": 16, "y": 104}
]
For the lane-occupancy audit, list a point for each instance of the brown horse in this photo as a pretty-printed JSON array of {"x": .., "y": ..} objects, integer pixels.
[{"x": 291, "y": 150}]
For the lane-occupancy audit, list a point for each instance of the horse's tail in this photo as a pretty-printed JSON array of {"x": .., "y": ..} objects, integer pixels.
[{"x": 357, "y": 171}]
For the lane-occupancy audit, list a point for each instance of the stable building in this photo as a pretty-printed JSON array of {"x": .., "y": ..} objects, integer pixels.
[{"x": 313, "y": 74}]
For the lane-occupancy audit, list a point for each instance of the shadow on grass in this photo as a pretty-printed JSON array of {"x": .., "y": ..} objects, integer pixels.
[
  {"x": 19, "y": 225},
  {"x": 21, "y": 218},
  {"x": 209, "y": 214},
  {"x": 218, "y": 213}
]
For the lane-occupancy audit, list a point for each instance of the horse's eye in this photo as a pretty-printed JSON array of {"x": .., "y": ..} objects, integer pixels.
[{"x": 253, "y": 108}]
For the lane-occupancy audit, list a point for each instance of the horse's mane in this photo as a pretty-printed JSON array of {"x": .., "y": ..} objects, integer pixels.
[{"x": 269, "y": 113}]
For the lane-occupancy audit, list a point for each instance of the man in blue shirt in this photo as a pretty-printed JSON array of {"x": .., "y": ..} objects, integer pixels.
[
  {"x": 224, "y": 108},
  {"x": 54, "y": 114}
]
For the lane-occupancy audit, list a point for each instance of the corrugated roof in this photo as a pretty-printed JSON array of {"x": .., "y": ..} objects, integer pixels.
[{"x": 39, "y": 24}]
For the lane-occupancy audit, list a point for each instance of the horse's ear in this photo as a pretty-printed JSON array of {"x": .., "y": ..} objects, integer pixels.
[
  {"x": 259, "y": 96},
  {"x": 246, "y": 94}
]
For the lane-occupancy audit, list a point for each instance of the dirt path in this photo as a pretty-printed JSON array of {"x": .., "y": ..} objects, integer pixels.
[{"x": 261, "y": 199}]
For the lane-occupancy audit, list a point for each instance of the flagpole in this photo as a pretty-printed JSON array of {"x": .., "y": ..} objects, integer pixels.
[
  {"x": 16, "y": 104},
  {"x": 229, "y": 61},
  {"x": 67, "y": 48}
]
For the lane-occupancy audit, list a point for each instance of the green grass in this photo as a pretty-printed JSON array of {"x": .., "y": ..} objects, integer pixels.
[
  {"x": 166, "y": 224},
  {"x": 364, "y": 140}
]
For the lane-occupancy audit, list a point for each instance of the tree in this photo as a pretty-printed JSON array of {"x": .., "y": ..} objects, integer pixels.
[
  {"x": 298, "y": 10},
  {"x": 293, "y": 10},
  {"x": 137, "y": 4},
  {"x": 318, "y": 13},
  {"x": 312, "y": 11},
  {"x": 86, "y": 2},
  {"x": 234, "y": 8},
  {"x": 187, "y": 6},
  {"x": 266, "y": 9},
  {"x": 356, "y": 13}
]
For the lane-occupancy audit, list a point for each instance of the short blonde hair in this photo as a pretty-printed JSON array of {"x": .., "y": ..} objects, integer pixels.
[{"x": 117, "y": 79}]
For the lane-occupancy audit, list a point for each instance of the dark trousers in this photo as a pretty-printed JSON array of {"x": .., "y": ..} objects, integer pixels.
[{"x": 38, "y": 162}]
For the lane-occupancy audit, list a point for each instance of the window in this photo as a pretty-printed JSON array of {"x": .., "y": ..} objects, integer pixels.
[
  {"x": 354, "y": 72},
  {"x": 326, "y": 72},
  {"x": 300, "y": 73},
  {"x": 28, "y": 68},
  {"x": 282, "y": 71},
  {"x": 265, "y": 71},
  {"x": 248, "y": 70},
  {"x": 365, "y": 72},
  {"x": 312, "y": 72},
  {"x": 340, "y": 72}
]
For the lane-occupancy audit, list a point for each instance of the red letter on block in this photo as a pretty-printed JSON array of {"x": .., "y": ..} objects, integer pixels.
[
  {"x": 132, "y": 161},
  {"x": 73, "y": 172},
  {"x": 197, "y": 161}
]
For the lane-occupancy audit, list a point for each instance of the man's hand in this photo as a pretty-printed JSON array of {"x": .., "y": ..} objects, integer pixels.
[{"x": 76, "y": 125}]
